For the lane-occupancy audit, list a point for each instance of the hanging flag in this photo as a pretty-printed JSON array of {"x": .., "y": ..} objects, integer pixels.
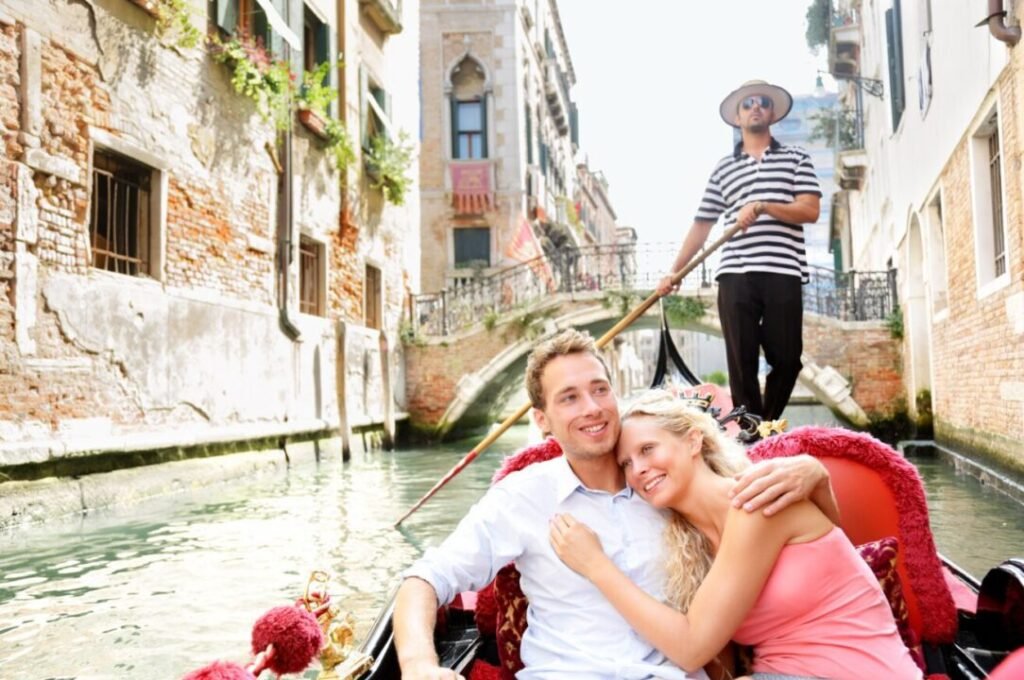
[
  {"x": 471, "y": 187},
  {"x": 524, "y": 247}
]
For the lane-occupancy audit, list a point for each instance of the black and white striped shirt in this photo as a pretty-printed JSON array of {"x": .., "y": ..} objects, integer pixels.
[{"x": 769, "y": 245}]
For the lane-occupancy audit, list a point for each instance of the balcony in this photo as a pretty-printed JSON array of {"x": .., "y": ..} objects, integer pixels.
[
  {"x": 557, "y": 93},
  {"x": 844, "y": 45},
  {"x": 385, "y": 14},
  {"x": 852, "y": 168}
]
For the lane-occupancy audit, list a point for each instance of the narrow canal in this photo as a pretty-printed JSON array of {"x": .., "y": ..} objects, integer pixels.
[{"x": 157, "y": 589}]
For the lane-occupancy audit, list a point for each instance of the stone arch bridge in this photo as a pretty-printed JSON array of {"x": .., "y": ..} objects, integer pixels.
[{"x": 467, "y": 348}]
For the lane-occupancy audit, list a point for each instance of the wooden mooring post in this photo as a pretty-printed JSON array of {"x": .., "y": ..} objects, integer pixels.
[{"x": 340, "y": 373}]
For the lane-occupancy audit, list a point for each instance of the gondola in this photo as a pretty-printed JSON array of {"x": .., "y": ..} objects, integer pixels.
[{"x": 965, "y": 628}]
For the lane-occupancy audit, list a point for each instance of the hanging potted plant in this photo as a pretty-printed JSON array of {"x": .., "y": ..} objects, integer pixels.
[
  {"x": 387, "y": 165},
  {"x": 312, "y": 101},
  {"x": 314, "y": 98},
  {"x": 257, "y": 75}
]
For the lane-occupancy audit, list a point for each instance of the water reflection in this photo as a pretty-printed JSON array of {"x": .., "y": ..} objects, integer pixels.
[{"x": 156, "y": 589}]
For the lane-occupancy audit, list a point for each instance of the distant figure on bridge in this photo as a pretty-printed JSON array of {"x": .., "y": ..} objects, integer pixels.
[{"x": 773, "y": 189}]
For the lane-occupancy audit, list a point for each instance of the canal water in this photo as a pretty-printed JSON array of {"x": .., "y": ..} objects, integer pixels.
[{"x": 160, "y": 588}]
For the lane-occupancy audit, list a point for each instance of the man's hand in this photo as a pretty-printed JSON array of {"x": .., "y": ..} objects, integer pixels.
[
  {"x": 748, "y": 214},
  {"x": 665, "y": 286},
  {"x": 779, "y": 482}
]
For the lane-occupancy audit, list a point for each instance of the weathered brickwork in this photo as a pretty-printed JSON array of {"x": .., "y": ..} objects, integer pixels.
[
  {"x": 978, "y": 348},
  {"x": 202, "y": 339},
  {"x": 865, "y": 354},
  {"x": 9, "y": 81}
]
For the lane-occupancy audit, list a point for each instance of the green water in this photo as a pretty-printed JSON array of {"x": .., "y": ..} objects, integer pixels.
[{"x": 157, "y": 589}]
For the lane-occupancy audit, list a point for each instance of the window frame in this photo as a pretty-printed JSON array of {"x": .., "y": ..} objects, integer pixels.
[
  {"x": 480, "y": 133},
  {"x": 373, "y": 300},
  {"x": 311, "y": 248},
  {"x": 103, "y": 143},
  {"x": 470, "y": 263},
  {"x": 984, "y": 201}
]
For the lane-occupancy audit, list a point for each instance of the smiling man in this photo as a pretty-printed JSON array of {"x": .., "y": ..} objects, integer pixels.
[{"x": 573, "y": 632}]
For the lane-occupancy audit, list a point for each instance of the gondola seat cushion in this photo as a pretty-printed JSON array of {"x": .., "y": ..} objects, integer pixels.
[
  {"x": 880, "y": 494},
  {"x": 880, "y": 556}
]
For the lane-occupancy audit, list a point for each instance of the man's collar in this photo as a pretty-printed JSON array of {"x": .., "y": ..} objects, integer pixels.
[
  {"x": 738, "y": 149},
  {"x": 566, "y": 481}
]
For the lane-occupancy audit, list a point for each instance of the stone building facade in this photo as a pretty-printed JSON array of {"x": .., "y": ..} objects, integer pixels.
[
  {"x": 500, "y": 137},
  {"x": 593, "y": 212},
  {"x": 936, "y": 191},
  {"x": 175, "y": 272}
]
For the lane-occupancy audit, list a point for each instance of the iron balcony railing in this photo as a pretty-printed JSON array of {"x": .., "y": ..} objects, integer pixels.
[{"x": 621, "y": 268}]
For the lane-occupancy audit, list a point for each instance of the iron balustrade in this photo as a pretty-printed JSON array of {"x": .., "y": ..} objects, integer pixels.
[{"x": 622, "y": 268}]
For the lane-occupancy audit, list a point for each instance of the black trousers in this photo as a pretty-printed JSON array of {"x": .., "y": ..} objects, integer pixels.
[{"x": 761, "y": 310}]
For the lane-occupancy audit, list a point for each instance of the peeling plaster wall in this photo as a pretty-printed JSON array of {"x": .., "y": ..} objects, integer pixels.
[{"x": 197, "y": 345}]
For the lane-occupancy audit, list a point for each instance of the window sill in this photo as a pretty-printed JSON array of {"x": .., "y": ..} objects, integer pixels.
[{"x": 994, "y": 286}]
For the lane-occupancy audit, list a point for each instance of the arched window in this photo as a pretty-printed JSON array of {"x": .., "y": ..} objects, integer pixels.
[{"x": 469, "y": 110}]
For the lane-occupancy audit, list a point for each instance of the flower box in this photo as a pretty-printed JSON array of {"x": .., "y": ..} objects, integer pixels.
[{"x": 314, "y": 122}]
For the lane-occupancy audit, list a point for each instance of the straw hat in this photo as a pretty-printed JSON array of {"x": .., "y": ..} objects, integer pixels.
[{"x": 782, "y": 101}]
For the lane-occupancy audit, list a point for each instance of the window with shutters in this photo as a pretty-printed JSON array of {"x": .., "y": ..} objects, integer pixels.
[
  {"x": 254, "y": 19},
  {"x": 315, "y": 40},
  {"x": 894, "y": 43},
  {"x": 469, "y": 110},
  {"x": 375, "y": 109},
  {"x": 991, "y": 246}
]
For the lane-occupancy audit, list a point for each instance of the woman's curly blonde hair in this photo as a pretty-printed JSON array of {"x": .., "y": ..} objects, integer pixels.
[{"x": 688, "y": 550}]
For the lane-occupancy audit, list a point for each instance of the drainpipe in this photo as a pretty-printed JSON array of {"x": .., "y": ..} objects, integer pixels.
[
  {"x": 284, "y": 227},
  {"x": 997, "y": 24}
]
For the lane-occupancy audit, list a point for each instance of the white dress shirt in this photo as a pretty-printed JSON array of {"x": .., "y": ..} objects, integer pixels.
[{"x": 573, "y": 631}]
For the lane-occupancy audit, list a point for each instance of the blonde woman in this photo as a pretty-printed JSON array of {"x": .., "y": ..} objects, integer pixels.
[{"x": 790, "y": 585}]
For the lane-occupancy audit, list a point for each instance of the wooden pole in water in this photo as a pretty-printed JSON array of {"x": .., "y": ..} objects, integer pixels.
[{"x": 624, "y": 323}]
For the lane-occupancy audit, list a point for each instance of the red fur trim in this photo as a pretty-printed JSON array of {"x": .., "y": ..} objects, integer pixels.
[
  {"x": 538, "y": 453},
  {"x": 921, "y": 558},
  {"x": 484, "y": 671}
]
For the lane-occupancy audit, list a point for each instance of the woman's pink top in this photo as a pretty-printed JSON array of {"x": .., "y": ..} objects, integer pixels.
[{"x": 822, "y": 614}]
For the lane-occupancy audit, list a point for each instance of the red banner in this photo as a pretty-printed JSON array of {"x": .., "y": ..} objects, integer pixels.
[
  {"x": 525, "y": 247},
  {"x": 471, "y": 187}
]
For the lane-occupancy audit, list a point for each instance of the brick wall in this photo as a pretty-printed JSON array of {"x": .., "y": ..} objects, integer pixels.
[
  {"x": 864, "y": 353},
  {"x": 978, "y": 349}
]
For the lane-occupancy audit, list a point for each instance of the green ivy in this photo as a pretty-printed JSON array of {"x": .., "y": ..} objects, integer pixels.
[
  {"x": 255, "y": 74},
  {"x": 819, "y": 24},
  {"x": 894, "y": 322},
  {"x": 716, "y": 378},
  {"x": 173, "y": 16},
  {"x": 316, "y": 96},
  {"x": 681, "y": 310},
  {"x": 388, "y": 163}
]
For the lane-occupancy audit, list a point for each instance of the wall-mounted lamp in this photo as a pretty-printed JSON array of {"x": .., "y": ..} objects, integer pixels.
[{"x": 873, "y": 86}]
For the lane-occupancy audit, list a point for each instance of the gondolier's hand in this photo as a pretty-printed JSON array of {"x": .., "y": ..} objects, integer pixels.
[
  {"x": 666, "y": 287},
  {"x": 778, "y": 483},
  {"x": 749, "y": 213},
  {"x": 577, "y": 545}
]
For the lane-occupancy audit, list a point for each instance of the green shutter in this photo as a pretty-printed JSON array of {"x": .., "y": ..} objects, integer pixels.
[
  {"x": 364, "y": 107},
  {"x": 483, "y": 126},
  {"x": 894, "y": 39},
  {"x": 455, "y": 125},
  {"x": 227, "y": 15},
  {"x": 529, "y": 137},
  {"x": 323, "y": 43}
]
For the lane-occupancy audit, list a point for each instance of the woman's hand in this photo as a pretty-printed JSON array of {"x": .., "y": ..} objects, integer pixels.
[{"x": 577, "y": 545}]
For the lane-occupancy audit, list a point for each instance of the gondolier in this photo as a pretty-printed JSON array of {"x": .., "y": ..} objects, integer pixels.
[{"x": 771, "y": 191}]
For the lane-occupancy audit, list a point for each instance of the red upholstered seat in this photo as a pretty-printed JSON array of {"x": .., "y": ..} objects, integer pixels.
[{"x": 880, "y": 494}]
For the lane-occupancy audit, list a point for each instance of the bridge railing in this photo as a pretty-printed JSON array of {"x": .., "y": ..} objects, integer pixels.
[
  {"x": 634, "y": 267},
  {"x": 852, "y": 295}
]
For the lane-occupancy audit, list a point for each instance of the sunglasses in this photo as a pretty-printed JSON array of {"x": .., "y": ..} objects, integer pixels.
[{"x": 758, "y": 99}]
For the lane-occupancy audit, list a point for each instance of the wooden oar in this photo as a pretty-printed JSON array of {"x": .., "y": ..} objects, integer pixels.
[{"x": 601, "y": 342}]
